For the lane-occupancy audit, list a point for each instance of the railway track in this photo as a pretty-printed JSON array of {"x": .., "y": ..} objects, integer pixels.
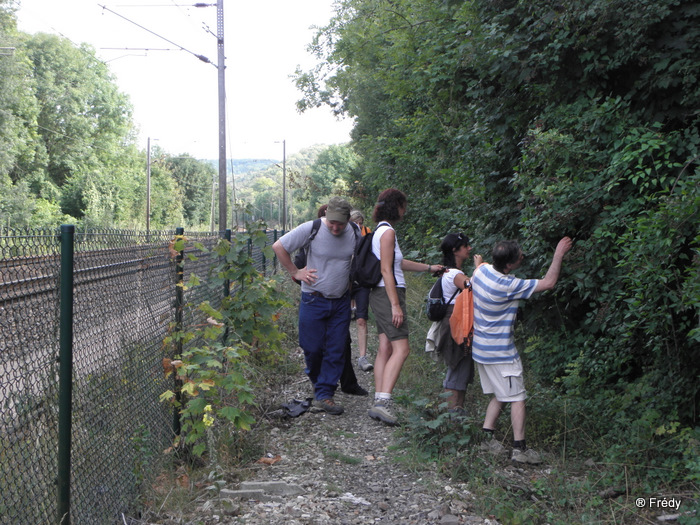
[{"x": 27, "y": 276}]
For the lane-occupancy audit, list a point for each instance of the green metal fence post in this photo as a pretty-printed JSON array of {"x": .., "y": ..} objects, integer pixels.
[
  {"x": 65, "y": 386},
  {"x": 179, "y": 307},
  {"x": 227, "y": 285},
  {"x": 264, "y": 262}
]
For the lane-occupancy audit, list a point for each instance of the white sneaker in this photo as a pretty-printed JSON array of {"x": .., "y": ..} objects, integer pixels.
[
  {"x": 526, "y": 456},
  {"x": 364, "y": 364}
]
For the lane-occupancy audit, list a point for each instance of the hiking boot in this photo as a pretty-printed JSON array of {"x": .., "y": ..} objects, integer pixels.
[
  {"x": 355, "y": 390},
  {"x": 492, "y": 447},
  {"x": 381, "y": 411},
  {"x": 528, "y": 456},
  {"x": 328, "y": 405},
  {"x": 364, "y": 364}
]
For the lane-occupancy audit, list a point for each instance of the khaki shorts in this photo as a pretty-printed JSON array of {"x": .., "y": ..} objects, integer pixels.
[
  {"x": 381, "y": 308},
  {"x": 505, "y": 381}
]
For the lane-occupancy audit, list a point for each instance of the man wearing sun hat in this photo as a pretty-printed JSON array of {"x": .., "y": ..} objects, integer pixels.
[{"x": 324, "y": 310}]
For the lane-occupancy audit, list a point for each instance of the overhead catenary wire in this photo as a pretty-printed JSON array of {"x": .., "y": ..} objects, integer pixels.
[
  {"x": 88, "y": 52},
  {"x": 182, "y": 48},
  {"x": 139, "y": 49},
  {"x": 198, "y": 4}
]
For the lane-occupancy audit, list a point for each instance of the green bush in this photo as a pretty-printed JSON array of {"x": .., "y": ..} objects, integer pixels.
[{"x": 215, "y": 368}]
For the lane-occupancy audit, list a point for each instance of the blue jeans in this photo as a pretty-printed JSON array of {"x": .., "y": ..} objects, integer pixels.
[{"x": 323, "y": 329}]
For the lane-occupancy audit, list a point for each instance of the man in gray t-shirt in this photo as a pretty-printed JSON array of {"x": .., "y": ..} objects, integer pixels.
[{"x": 324, "y": 311}]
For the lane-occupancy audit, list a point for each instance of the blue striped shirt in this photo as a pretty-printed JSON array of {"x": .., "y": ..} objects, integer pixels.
[{"x": 496, "y": 298}]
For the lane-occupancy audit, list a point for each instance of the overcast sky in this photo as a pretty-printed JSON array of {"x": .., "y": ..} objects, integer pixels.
[{"x": 175, "y": 95}]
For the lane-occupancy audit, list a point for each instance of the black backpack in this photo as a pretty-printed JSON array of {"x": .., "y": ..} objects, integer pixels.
[
  {"x": 300, "y": 257},
  {"x": 366, "y": 270},
  {"x": 435, "y": 305}
]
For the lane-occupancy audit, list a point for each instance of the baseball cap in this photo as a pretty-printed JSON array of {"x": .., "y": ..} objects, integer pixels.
[{"x": 338, "y": 210}]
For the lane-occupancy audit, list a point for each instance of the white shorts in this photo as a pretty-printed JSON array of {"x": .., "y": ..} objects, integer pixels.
[{"x": 504, "y": 380}]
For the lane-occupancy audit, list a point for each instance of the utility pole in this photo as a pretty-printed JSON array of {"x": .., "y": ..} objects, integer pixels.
[
  {"x": 284, "y": 185},
  {"x": 213, "y": 201},
  {"x": 222, "y": 113},
  {"x": 283, "y": 214},
  {"x": 221, "y": 67},
  {"x": 148, "y": 188}
]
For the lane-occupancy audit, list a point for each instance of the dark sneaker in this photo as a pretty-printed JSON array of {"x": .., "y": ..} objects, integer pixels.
[
  {"x": 381, "y": 411},
  {"x": 355, "y": 390},
  {"x": 327, "y": 405},
  {"x": 528, "y": 456},
  {"x": 364, "y": 364}
]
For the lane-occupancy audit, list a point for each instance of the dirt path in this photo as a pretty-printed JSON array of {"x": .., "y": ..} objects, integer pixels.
[{"x": 328, "y": 469}]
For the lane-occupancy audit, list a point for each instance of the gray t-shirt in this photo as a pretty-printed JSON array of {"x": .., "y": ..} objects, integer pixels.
[{"x": 331, "y": 256}]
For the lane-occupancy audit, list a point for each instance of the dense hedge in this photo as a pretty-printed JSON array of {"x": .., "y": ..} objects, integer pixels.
[{"x": 534, "y": 120}]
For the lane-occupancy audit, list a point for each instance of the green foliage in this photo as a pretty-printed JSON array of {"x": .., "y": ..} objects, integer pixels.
[
  {"x": 68, "y": 152},
  {"x": 252, "y": 309},
  {"x": 18, "y": 106},
  {"x": 534, "y": 120},
  {"x": 194, "y": 181},
  {"x": 333, "y": 173},
  {"x": 140, "y": 439},
  {"x": 214, "y": 369},
  {"x": 261, "y": 190},
  {"x": 441, "y": 434}
]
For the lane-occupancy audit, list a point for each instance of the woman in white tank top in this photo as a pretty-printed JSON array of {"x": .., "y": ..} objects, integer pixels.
[{"x": 388, "y": 302}]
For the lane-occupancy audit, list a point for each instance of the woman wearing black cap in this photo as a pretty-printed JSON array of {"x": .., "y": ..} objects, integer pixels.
[{"x": 460, "y": 367}]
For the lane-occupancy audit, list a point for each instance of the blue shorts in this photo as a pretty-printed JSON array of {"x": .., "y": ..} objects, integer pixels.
[{"x": 361, "y": 298}]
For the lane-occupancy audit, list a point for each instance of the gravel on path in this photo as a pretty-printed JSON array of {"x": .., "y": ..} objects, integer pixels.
[{"x": 323, "y": 469}]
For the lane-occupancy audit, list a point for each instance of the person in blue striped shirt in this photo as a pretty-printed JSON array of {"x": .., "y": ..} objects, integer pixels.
[{"x": 497, "y": 294}]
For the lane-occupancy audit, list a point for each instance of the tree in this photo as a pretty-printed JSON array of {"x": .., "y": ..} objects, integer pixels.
[
  {"x": 195, "y": 179},
  {"x": 18, "y": 107},
  {"x": 83, "y": 124},
  {"x": 333, "y": 173}
]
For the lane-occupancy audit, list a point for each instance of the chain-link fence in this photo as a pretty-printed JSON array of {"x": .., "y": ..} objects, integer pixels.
[{"x": 124, "y": 299}]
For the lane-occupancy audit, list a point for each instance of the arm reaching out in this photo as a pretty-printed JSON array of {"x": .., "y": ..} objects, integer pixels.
[{"x": 552, "y": 276}]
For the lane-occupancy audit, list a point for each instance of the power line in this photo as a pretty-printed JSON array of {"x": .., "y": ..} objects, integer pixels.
[
  {"x": 182, "y": 48},
  {"x": 198, "y": 4},
  {"x": 139, "y": 49},
  {"x": 77, "y": 139}
]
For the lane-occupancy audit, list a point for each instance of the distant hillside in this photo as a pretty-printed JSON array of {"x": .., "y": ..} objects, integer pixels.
[{"x": 241, "y": 166}]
